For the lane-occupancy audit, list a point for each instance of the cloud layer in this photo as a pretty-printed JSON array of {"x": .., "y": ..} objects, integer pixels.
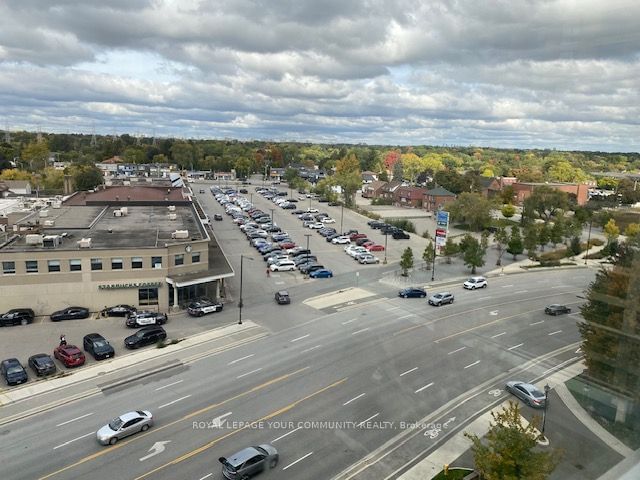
[{"x": 513, "y": 73}]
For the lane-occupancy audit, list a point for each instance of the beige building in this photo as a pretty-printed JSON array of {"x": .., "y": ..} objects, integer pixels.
[{"x": 155, "y": 253}]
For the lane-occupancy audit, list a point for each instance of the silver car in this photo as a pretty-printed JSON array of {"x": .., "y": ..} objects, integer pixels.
[
  {"x": 249, "y": 462},
  {"x": 125, "y": 425},
  {"x": 526, "y": 392}
]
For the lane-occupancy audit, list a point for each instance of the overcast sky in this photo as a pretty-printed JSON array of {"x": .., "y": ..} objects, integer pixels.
[{"x": 559, "y": 74}]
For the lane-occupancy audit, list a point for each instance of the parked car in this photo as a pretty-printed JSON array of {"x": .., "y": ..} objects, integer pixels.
[
  {"x": 249, "y": 462},
  {"x": 217, "y": 217},
  {"x": 355, "y": 236},
  {"x": 98, "y": 346},
  {"x": 375, "y": 248},
  {"x": 70, "y": 313},
  {"x": 13, "y": 372},
  {"x": 69, "y": 355},
  {"x": 17, "y": 316},
  {"x": 146, "y": 317},
  {"x": 310, "y": 268},
  {"x": 118, "y": 311},
  {"x": 367, "y": 259},
  {"x": 282, "y": 297},
  {"x": 315, "y": 225},
  {"x": 343, "y": 240},
  {"x": 204, "y": 306},
  {"x": 475, "y": 282},
  {"x": 328, "y": 220},
  {"x": 441, "y": 298},
  {"x": 412, "y": 292},
  {"x": 283, "y": 266},
  {"x": 526, "y": 392},
  {"x": 400, "y": 235},
  {"x": 555, "y": 309},
  {"x": 321, "y": 273},
  {"x": 145, "y": 336},
  {"x": 277, "y": 258},
  {"x": 361, "y": 241},
  {"x": 42, "y": 364},
  {"x": 124, "y": 425}
]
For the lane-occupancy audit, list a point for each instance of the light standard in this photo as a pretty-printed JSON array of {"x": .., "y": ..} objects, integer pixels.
[
  {"x": 588, "y": 240},
  {"x": 240, "y": 301},
  {"x": 546, "y": 402},
  {"x": 251, "y": 197},
  {"x": 271, "y": 216},
  {"x": 433, "y": 263},
  {"x": 386, "y": 234},
  {"x": 306, "y": 275},
  {"x": 341, "y": 217}
]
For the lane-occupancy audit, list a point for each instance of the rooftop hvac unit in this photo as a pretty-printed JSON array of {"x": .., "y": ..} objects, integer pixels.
[
  {"x": 49, "y": 223},
  {"x": 172, "y": 216},
  {"x": 56, "y": 204},
  {"x": 51, "y": 241},
  {"x": 172, "y": 208},
  {"x": 180, "y": 234},
  {"x": 44, "y": 213},
  {"x": 84, "y": 243},
  {"x": 33, "y": 239},
  {"x": 117, "y": 213},
  {"x": 124, "y": 210}
]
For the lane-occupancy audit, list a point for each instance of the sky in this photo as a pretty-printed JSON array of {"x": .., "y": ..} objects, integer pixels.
[{"x": 561, "y": 74}]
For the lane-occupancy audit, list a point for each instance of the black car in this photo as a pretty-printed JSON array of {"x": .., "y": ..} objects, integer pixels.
[
  {"x": 146, "y": 317},
  {"x": 17, "y": 316},
  {"x": 282, "y": 297},
  {"x": 375, "y": 224},
  {"x": 70, "y": 313},
  {"x": 204, "y": 306},
  {"x": 145, "y": 336},
  {"x": 413, "y": 292},
  {"x": 42, "y": 364},
  {"x": 334, "y": 204},
  {"x": 400, "y": 235},
  {"x": 555, "y": 309},
  {"x": 118, "y": 311},
  {"x": 13, "y": 371},
  {"x": 98, "y": 346},
  {"x": 217, "y": 217}
]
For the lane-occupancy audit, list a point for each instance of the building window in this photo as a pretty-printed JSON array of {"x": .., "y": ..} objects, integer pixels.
[
  {"x": 96, "y": 264},
  {"x": 75, "y": 265},
  {"x": 148, "y": 296},
  {"x": 54, "y": 265},
  {"x": 156, "y": 262},
  {"x": 195, "y": 257},
  {"x": 31, "y": 266},
  {"x": 116, "y": 264},
  {"x": 179, "y": 259},
  {"x": 9, "y": 268},
  {"x": 136, "y": 262}
]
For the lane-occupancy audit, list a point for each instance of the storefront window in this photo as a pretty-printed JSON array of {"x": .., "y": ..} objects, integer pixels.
[
  {"x": 9, "y": 268},
  {"x": 54, "y": 265},
  {"x": 75, "y": 265},
  {"x": 31, "y": 266},
  {"x": 136, "y": 262},
  {"x": 148, "y": 296},
  {"x": 116, "y": 264},
  {"x": 96, "y": 264}
]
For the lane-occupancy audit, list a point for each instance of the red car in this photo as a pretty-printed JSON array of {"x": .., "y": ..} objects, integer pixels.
[
  {"x": 287, "y": 245},
  {"x": 355, "y": 236},
  {"x": 69, "y": 355},
  {"x": 374, "y": 248}
]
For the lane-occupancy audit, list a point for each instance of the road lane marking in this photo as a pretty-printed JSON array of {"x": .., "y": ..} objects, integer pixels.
[
  {"x": 368, "y": 419},
  {"x": 174, "y": 401},
  {"x": 169, "y": 385},
  {"x": 309, "y": 349},
  {"x": 249, "y": 373},
  {"x": 298, "y": 460},
  {"x": 506, "y": 286},
  {"x": 285, "y": 435},
  {"x": 472, "y": 364},
  {"x": 423, "y": 388},
  {"x": 300, "y": 338},
  {"x": 353, "y": 399},
  {"x": 360, "y": 331},
  {"x": 233, "y": 362},
  {"x": 456, "y": 351},
  {"x": 408, "y": 371},
  {"x": 406, "y": 316},
  {"x": 554, "y": 333},
  {"x": 536, "y": 323},
  {"x": 499, "y": 335},
  {"x": 74, "y": 419},
  {"x": 520, "y": 291},
  {"x": 485, "y": 298},
  {"x": 206, "y": 476},
  {"x": 349, "y": 321},
  {"x": 515, "y": 346},
  {"x": 74, "y": 440}
]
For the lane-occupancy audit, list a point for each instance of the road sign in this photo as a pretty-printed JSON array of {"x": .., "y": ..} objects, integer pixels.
[{"x": 442, "y": 219}]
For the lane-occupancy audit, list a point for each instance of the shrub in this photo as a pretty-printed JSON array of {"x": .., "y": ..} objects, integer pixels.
[
  {"x": 402, "y": 223},
  {"x": 553, "y": 255},
  {"x": 596, "y": 242},
  {"x": 508, "y": 211}
]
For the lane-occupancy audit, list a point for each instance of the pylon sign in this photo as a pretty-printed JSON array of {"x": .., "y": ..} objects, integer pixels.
[{"x": 442, "y": 226}]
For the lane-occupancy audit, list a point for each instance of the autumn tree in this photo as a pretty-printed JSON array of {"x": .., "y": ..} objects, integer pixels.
[
  {"x": 611, "y": 231},
  {"x": 406, "y": 261},
  {"x": 632, "y": 230},
  {"x": 36, "y": 155},
  {"x": 348, "y": 177}
]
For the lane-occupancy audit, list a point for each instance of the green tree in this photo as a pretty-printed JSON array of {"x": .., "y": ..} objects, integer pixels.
[
  {"x": 348, "y": 177},
  {"x": 86, "y": 177},
  {"x": 509, "y": 451},
  {"x": 546, "y": 203},
  {"x": 290, "y": 175},
  {"x": 611, "y": 230},
  {"x": 472, "y": 209},
  {"x": 406, "y": 261},
  {"x": 632, "y": 230},
  {"x": 557, "y": 231},
  {"x": 544, "y": 235},
  {"x": 508, "y": 211},
  {"x": 182, "y": 154},
  {"x": 429, "y": 255},
  {"x": 515, "y": 246},
  {"x": 507, "y": 195},
  {"x": 502, "y": 239},
  {"x": 574, "y": 246},
  {"x": 451, "y": 248},
  {"x": 473, "y": 253},
  {"x": 398, "y": 171},
  {"x": 36, "y": 155},
  {"x": 531, "y": 240}
]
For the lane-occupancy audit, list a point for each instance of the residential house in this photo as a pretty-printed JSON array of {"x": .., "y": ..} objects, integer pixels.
[
  {"x": 368, "y": 177},
  {"x": 436, "y": 199},
  {"x": 17, "y": 187},
  {"x": 388, "y": 190},
  {"x": 523, "y": 190},
  {"x": 372, "y": 190},
  {"x": 491, "y": 187},
  {"x": 408, "y": 196}
]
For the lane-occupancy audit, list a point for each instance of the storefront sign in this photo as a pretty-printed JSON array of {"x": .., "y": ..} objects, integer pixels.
[{"x": 116, "y": 286}]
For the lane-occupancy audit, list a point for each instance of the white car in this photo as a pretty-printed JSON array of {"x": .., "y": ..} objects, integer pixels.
[
  {"x": 367, "y": 258},
  {"x": 343, "y": 240},
  {"x": 312, "y": 210},
  {"x": 328, "y": 220},
  {"x": 316, "y": 225},
  {"x": 283, "y": 266},
  {"x": 277, "y": 259},
  {"x": 357, "y": 251},
  {"x": 475, "y": 282}
]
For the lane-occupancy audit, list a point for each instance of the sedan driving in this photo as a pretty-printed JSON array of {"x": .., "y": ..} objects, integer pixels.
[
  {"x": 529, "y": 394},
  {"x": 125, "y": 425}
]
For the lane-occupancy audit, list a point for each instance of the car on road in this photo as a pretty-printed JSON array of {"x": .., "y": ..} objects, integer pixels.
[
  {"x": 441, "y": 298},
  {"x": 124, "y": 425},
  {"x": 412, "y": 292},
  {"x": 98, "y": 346},
  {"x": 475, "y": 282},
  {"x": 42, "y": 364},
  {"x": 249, "y": 462},
  {"x": 13, "y": 372},
  {"x": 367, "y": 259},
  {"x": 282, "y": 297},
  {"x": 70, "y": 313},
  {"x": 321, "y": 273},
  {"x": 217, "y": 217},
  {"x": 146, "y": 317},
  {"x": 529, "y": 394},
  {"x": 17, "y": 316},
  {"x": 69, "y": 355},
  {"x": 283, "y": 266},
  {"x": 204, "y": 306},
  {"x": 118, "y": 311},
  {"x": 555, "y": 309},
  {"x": 145, "y": 336}
]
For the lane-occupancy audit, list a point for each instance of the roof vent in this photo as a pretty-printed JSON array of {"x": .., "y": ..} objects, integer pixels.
[{"x": 84, "y": 243}]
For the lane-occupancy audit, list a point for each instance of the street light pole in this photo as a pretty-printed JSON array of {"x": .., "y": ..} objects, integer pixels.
[
  {"x": 271, "y": 216},
  {"x": 240, "y": 300},
  {"x": 433, "y": 263},
  {"x": 341, "y": 217},
  {"x": 588, "y": 240},
  {"x": 307, "y": 235},
  {"x": 546, "y": 402},
  {"x": 386, "y": 234}
]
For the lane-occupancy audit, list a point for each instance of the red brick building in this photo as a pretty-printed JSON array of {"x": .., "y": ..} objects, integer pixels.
[
  {"x": 437, "y": 198},
  {"x": 523, "y": 190},
  {"x": 409, "y": 196}
]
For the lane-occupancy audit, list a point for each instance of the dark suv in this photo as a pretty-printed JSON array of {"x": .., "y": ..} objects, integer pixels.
[
  {"x": 17, "y": 316},
  {"x": 282, "y": 297},
  {"x": 13, "y": 371},
  {"x": 98, "y": 346},
  {"x": 145, "y": 336}
]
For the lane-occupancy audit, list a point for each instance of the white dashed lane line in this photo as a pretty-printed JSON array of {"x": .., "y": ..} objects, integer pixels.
[
  {"x": 285, "y": 435},
  {"x": 408, "y": 371},
  {"x": 300, "y": 338},
  {"x": 360, "y": 331},
  {"x": 554, "y": 333},
  {"x": 174, "y": 401},
  {"x": 310, "y": 349},
  {"x": 472, "y": 364},
  {"x": 368, "y": 419},
  {"x": 515, "y": 346},
  {"x": 456, "y": 351},
  {"x": 423, "y": 388},
  {"x": 74, "y": 440},
  {"x": 499, "y": 335},
  {"x": 536, "y": 323},
  {"x": 233, "y": 362},
  {"x": 299, "y": 460},
  {"x": 249, "y": 373},
  {"x": 74, "y": 419},
  {"x": 353, "y": 399}
]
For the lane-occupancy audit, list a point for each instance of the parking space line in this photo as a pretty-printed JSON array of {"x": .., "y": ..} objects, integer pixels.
[
  {"x": 408, "y": 371},
  {"x": 485, "y": 298},
  {"x": 506, "y": 286},
  {"x": 298, "y": 460},
  {"x": 499, "y": 335},
  {"x": 456, "y": 351},
  {"x": 353, "y": 399},
  {"x": 285, "y": 435},
  {"x": 74, "y": 419},
  {"x": 174, "y": 401},
  {"x": 423, "y": 388},
  {"x": 536, "y": 323}
]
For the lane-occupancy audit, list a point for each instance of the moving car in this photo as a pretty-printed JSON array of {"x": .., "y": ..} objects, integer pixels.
[
  {"x": 441, "y": 298},
  {"x": 282, "y": 297},
  {"x": 69, "y": 355},
  {"x": 249, "y": 462},
  {"x": 118, "y": 311},
  {"x": 13, "y": 372},
  {"x": 70, "y": 313},
  {"x": 98, "y": 346},
  {"x": 145, "y": 336},
  {"x": 146, "y": 317},
  {"x": 42, "y": 364},
  {"x": 321, "y": 273},
  {"x": 17, "y": 316},
  {"x": 526, "y": 392},
  {"x": 203, "y": 307},
  {"x": 412, "y": 292},
  {"x": 475, "y": 282},
  {"x": 217, "y": 217},
  {"x": 125, "y": 425},
  {"x": 555, "y": 309}
]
